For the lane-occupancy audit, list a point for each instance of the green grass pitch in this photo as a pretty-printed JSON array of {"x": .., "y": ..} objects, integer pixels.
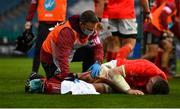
[{"x": 13, "y": 72}]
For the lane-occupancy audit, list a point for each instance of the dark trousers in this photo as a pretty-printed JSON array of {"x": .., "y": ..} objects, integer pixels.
[
  {"x": 50, "y": 69},
  {"x": 43, "y": 32},
  {"x": 83, "y": 54}
]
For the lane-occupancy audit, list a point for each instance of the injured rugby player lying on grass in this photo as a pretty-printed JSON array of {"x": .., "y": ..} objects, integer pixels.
[
  {"x": 111, "y": 79},
  {"x": 73, "y": 85}
]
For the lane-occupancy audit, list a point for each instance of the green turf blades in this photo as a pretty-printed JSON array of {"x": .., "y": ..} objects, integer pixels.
[{"x": 13, "y": 74}]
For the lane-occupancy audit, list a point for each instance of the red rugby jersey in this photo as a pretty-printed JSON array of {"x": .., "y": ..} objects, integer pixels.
[
  {"x": 120, "y": 9},
  {"x": 139, "y": 71}
]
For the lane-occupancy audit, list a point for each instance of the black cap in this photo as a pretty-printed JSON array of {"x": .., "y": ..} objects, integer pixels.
[{"x": 88, "y": 16}]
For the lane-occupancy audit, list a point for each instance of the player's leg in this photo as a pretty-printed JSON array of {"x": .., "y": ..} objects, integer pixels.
[
  {"x": 151, "y": 52},
  {"x": 129, "y": 41},
  {"x": 127, "y": 32},
  {"x": 111, "y": 47},
  {"x": 113, "y": 24},
  {"x": 128, "y": 44},
  {"x": 167, "y": 47},
  {"x": 152, "y": 47}
]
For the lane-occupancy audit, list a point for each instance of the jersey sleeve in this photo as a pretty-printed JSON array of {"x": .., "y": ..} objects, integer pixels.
[
  {"x": 97, "y": 48},
  {"x": 32, "y": 10},
  {"x": 61, "y": 51}
]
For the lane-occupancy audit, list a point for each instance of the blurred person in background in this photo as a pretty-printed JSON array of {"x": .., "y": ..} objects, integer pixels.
[
  {"x": 176, "y": 27},
  {"x": 176, "y": 31},
  {"x": 157, "y": 4},
  {"x": 158, "y": 37},
  {"x": 49, "y": 13},
  {"x": 103, "y": 27},
  {"x": 122, "y": 21},
  {"x": 100, "y": 6}
]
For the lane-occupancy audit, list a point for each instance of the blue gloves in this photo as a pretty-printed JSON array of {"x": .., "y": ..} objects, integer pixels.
[{"x": 95, "y": 69}]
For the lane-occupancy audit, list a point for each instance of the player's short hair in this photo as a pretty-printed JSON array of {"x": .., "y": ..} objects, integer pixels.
[
  {"x": 111, "y": 41},
  {"x": 88, "y": 16},
  {"x": 160, "y": 87}
]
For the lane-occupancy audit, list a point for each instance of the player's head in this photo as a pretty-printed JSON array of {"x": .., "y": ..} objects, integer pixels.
[
  {"x": 88, "y": 22},
  {"x": 157, "y": 85},
  {"x": 111, "y": 44}
]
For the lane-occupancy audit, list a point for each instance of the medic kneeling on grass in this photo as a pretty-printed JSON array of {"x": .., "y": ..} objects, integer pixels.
[{"x": 74, "y": 40}]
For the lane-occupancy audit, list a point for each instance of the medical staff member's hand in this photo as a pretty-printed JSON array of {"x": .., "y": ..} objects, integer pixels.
[
  {"x": 28, "y": 25},
  {"x": 95, "y": 69},
  {"x": 148, "y": 17}
]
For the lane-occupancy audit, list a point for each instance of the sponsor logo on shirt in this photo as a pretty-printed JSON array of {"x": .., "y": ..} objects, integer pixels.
[{"x": 49, "y": 5}]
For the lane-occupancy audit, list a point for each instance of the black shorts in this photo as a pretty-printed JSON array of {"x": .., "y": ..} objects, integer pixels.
[
  {"x": 124, "y": 36},
  {"x": 150, "y": 38}
]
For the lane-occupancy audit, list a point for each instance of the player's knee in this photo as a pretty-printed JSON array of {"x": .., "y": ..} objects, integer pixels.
[
  {"x": 152, "y": 54},
  {"x": 111, "y": 44},
  {"x": 168, "y": 47},
  {"x": 131, "y": 42}
]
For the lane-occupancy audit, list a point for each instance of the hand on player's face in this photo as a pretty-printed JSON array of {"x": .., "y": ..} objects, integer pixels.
[
  {"x": 95, "y": 69},
  {"x": 28, "y": 25},
  {"x": 135, "y": 92}
]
